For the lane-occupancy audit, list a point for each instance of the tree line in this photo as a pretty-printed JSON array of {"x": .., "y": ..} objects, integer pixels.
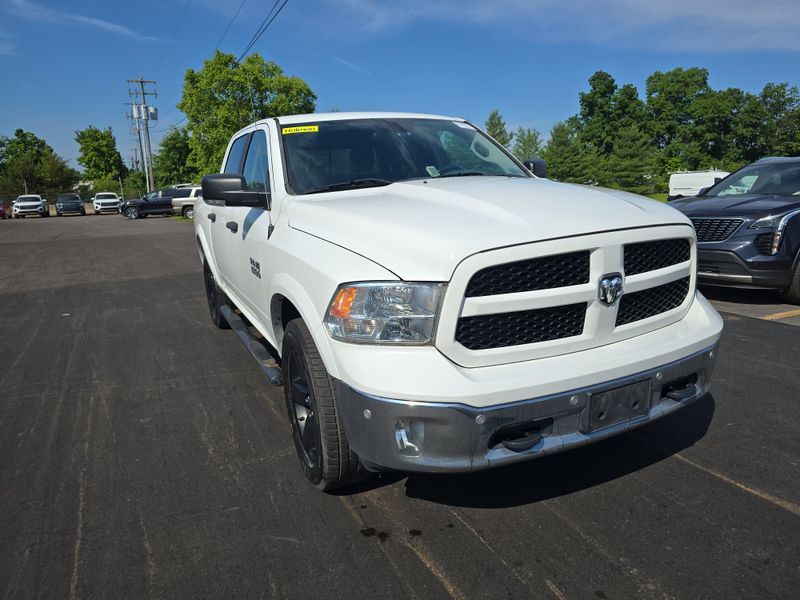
[{"x": 617, "y": 139}]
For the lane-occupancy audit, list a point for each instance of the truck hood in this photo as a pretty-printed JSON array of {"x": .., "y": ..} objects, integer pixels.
[
  {"x": 29, "y": 204},
  {"x": 744, "y": 205},
  {"x": 420, "y": 230}
]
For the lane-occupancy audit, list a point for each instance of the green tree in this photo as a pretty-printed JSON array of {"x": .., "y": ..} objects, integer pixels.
[
  {"x": 134, "y": 184},
  {"x": 568, "y": 158},
  {"x": 224, "y": 96},
  {"x": 108, "y": 183},
  {"x": 25, "y": 144},
  {"x": 172, "y": 161},
  {"x": 98, "y": 153},
  {"x": 528, "y": 144},
  {"x": 781, "y": 104},
  {"x": 597, "y": 112},
  {"x": 670, "y": 97},
  {"x": 630, "y": 165},
  {"x": 27, "y": 161},
  {"x": 57, "y": 176},
  {"x": 496, "y": 127},
  {"x": 21, "y": 163}
]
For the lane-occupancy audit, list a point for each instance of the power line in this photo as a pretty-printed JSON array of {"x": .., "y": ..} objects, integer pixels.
[
  {"x": 263, "y": 28},
  {"x": 255, "y": 33},
  {"x": 170, "y": 126},
  {"x": 224, "y": 33},
  {"x": 177, "y": 27}
]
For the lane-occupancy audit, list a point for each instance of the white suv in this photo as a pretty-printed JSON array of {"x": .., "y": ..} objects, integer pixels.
[
  {"x": 105, "y": 202},
  {"x": 435, "y": 305},
  {"x": 30, "y": 204}
]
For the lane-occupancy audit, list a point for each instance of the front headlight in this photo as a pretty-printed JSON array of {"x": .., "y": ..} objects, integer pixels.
[
  {"x": 385, "y": 312},
  {"x": 778, "y": 224}
]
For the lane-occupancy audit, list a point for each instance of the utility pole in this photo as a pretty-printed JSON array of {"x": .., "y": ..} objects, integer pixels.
[
  {"x": 137, "y": 131},
  {"x": 143, "y": 125}
]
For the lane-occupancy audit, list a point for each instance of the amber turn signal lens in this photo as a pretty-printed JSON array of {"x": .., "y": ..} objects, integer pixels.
[{"x": 340, "y": 308}]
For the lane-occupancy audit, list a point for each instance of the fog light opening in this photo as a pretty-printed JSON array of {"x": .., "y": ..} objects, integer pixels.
[
  {"x": 410, "y": 436},
  {"x": 523, "y": 436}
]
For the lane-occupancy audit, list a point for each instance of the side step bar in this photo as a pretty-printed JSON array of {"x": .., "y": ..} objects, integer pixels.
[{"x": 265, "y": 361}]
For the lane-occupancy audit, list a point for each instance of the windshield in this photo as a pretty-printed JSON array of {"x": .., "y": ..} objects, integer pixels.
[
  {"x": 28, "y": 199},
  {"x": 346, "y": 154},
  {"x": 68, "y": 198},
  {"x": 779, "y": 179},
  {"x": 106, "y": 196}
]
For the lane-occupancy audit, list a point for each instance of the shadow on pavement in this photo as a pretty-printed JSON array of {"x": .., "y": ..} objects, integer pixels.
[{"x": 571, "y": 471}]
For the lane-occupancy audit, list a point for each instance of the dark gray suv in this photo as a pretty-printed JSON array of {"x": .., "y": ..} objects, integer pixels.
[{"x": 748, "y": 228}]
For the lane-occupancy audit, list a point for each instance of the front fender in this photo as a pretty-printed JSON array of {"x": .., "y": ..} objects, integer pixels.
[
  {"x": 286, "y": 286},
  {"x": 204, "y": 250}
]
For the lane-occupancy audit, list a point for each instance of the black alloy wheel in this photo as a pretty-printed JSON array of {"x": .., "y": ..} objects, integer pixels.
[
  {"x": 303, "y": 415},
  {"x": 317, "y": 429}
]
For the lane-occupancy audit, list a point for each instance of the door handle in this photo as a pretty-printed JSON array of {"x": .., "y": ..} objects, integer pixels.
[
  {"x": 233, "y": 226},
  {"x": 212, "y": 217}
]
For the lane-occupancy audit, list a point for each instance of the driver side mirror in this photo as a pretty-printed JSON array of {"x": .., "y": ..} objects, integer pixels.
[
  {"x": 232, "y": 190},
  {"x": 702, "y": 191},
  {"x": 537, "y": 166}
]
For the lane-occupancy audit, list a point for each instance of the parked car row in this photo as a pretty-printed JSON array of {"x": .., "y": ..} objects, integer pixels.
[
  {"x": 175, "y": 200},
  {"x": 166, "y": 201}
]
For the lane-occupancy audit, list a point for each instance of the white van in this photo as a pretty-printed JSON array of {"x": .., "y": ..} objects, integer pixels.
[{"x": 689, "y": 183}]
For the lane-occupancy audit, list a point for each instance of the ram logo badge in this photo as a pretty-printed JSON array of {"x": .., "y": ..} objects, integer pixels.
[
  {"x": 255, "y": 267},
  {"x": 610, "y": 289}
]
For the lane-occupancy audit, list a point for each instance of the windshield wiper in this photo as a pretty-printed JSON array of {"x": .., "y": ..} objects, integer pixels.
[
  {"x": 351, "y": 185},
  {"x": 461, "y": 174}
]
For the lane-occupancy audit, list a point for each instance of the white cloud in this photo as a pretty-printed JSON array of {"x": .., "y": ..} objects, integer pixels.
[
  {"x": 666, "y": 25},
  {"x": 42, "y": 14},
  {"x": 347, "y": 63}
]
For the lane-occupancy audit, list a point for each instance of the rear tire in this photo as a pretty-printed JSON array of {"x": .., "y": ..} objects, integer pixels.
[
  {"x": 319, "y": 436},
  {"x": 216, "y": 298},
  {"x": 188, "y": 212},
  {"x": 791, "y": 294}
]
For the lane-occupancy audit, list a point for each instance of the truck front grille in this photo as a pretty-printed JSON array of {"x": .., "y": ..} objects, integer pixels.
[
  {"x": 649, "y": 256},
  {"x": 547, "y": 272},
  {"x": 524, "y": 327},
  {"x": 652, "y": 301},
  {"x": 715, "y": 230}
]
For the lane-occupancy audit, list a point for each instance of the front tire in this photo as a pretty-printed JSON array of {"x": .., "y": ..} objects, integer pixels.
[
  {"x": 132, "y": 213},
  {"x": 791, "y": 294},
  {"x": 215, "y": 297},
  {"x": 188, "y": 212},
  {"x": 319, "y": 436}
]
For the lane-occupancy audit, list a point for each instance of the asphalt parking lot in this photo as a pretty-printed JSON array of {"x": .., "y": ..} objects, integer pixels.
[{"x": 144, "y": 455}]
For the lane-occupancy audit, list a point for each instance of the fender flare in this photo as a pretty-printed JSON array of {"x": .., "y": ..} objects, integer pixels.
[
  {"x": 205, "y": 255},
  {"x": 288, "y": 287}
]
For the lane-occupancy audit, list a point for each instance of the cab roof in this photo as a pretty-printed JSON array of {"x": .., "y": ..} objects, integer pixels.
[{"x": 342, "y": 116}]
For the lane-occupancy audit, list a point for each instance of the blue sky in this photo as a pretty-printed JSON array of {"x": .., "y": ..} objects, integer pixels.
[{"x": 64, "y": 64}]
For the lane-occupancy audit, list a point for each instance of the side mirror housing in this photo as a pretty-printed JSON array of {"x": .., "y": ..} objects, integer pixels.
[
  {"x": 702, "y": 191},
  {"x": 537, "y": 166},
  {"x": 231, "y": 189}
]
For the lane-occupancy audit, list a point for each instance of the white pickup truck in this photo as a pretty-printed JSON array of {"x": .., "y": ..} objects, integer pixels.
[{"x": 436, "y": 306}]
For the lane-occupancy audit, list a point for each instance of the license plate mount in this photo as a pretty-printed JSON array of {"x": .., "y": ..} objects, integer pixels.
[{"x": 619, "y": 404}]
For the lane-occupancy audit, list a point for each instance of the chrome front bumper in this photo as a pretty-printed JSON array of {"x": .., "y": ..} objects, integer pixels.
[{"x": 436, "y": 437}]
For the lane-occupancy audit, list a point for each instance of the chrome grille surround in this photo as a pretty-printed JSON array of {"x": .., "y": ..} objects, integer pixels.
[{"x": 599, "y": 325}]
